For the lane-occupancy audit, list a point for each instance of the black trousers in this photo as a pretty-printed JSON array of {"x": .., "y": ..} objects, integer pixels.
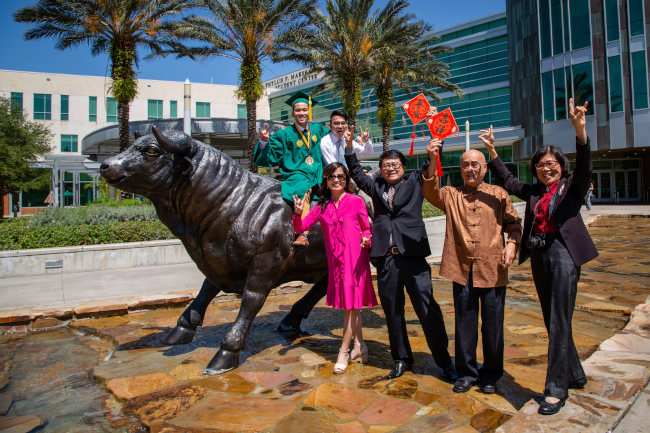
[
  {"x": 556, "y": 280},
  {"x": 394, "y": 272},
  {"x": 466, "y": 307}
]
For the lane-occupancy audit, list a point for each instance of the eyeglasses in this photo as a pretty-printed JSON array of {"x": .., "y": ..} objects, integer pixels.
[
  {"x": 394, "y": 166},
  {"x": 339, "y": 123},
  {"x": 549, "y": 165},
  {"x": 339, "y": 177}
]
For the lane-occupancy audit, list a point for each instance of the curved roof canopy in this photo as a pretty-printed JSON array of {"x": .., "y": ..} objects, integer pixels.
[{"x": 228, "y": 135}]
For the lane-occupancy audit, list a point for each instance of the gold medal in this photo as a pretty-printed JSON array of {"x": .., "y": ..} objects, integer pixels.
[
  {"x": 309, "y": 160},
  {"x": 299, "y": 143},
  {"x": 313, "y": 137}
]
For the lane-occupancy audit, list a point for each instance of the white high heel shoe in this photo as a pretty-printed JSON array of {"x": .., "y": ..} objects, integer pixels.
[
  {"x": 362, "y": 356},
  {"x": 340, "y": 368}
]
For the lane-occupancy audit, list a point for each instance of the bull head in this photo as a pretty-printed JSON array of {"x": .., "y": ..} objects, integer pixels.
[{"x": 150, "y": 162}]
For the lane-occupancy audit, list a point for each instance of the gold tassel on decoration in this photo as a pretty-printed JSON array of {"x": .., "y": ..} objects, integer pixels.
[{"x": 310, "y": 108}]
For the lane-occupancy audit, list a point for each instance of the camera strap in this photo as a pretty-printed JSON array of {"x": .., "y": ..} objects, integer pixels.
[{"x": 550, "y": 209}]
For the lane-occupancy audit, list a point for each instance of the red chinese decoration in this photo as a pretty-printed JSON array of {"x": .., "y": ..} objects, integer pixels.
[
  {"x": 412, "y": 142},
  {"x": 417, "y": 108},
  {"x": 442, "y": 124}
]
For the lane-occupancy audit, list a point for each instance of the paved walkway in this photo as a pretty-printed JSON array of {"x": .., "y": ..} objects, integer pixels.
[{"x": 71, "y": 289}]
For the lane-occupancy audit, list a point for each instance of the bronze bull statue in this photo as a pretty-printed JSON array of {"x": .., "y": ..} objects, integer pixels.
[{"x": 234, "y": 224}]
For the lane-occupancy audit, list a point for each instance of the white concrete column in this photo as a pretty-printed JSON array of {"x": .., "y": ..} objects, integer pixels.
[
  {"x": 187, "y": 112},
  {"x": 466, "y": 135}
]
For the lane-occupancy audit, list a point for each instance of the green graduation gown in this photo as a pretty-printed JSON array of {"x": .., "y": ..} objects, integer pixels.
[{"x": 287, "y": 151}]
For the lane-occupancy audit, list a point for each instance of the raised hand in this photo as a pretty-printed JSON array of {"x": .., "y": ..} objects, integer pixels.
[
  {"x": 578, "y": 117},
  {"x": 365, "y": 242},
  {"x": 433, "y": 148},
  {"x": 299, "y": 204},
  {"x": 348, "y": 135},
  {"x": 264, "y": 133},
  {"x": 432, "y": 111},
  {"x": 365, "y": 136},
  {"x": 487, "y": 137}
]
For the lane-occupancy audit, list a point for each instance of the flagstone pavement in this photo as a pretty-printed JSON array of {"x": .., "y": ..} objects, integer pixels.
[{"x": 285, "y": 382}]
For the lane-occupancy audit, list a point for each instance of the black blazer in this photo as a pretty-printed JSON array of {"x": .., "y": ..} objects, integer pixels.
[
  {"x": 405, "y": 221},
  {"x": 566, "y": 212}
]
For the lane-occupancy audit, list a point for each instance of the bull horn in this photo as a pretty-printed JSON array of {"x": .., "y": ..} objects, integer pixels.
[
  {"x": 137, "y": 135},
  {"x": 181, "y": 147}
]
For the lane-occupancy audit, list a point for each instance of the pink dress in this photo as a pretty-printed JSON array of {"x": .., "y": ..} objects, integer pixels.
[{"x": 350, "y": 283}]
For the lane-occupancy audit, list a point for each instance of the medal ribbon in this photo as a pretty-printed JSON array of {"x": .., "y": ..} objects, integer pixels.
[{"x": 305, "y": 140}]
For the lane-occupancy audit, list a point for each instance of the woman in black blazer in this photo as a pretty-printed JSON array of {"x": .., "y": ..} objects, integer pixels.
[{"x": 557, "y": 242}]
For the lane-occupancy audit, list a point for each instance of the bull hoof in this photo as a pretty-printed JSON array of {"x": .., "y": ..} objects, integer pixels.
[
  {"x": 223, "y": 361},
  {"x": 179, "y": 335},
  {"x": 289, "y": 323}
]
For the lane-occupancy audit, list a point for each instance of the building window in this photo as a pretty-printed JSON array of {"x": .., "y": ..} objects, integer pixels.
[
  {"x": 16, "y": 102},
  {"x": 611, "y": 19},
  {"x": 42, "y": 106},
  {"x": 241, "y": 111},
  {"x": 173, "y": 110},
  {"x": 580, "y": 33},
  {"x": 556, "y": 21},
  {"x": 65, "y": 107},
  {"x": 583, "y": 89},
  {"x": 202, "y": 109},
  {"x": 639, "y": 80},
  {"x": 565, "y": 14},
  {"x": 548, "y": 92},
  {"x": 111, "y": 110},
  {"x": 154, "y": 109},
  {"x": 560, "y": 94},
  {"x": 636, "y": 17},
  {"x": 615, "y": 84},
  {"x": 284, "y": 116},
  {"x": 545, "y": 28},
  {"x": 68, "y": 143},
  {"x": 92, "y": 109}
]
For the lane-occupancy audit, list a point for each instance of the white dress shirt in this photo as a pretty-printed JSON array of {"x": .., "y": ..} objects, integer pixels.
[{"x": 332, "y": 149}]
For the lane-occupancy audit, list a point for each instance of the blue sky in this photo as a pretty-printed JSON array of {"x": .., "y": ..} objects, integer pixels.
[{"x": 41, "y": 56}]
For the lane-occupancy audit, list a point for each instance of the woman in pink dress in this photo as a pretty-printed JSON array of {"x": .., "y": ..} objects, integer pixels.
[{"x": 344, "y": 220}]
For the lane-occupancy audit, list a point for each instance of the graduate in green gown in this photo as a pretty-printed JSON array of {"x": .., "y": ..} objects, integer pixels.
[{"x": 296, "y": 151}]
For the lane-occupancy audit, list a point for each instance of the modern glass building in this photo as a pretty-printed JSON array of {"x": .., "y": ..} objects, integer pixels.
[
  {"x": 589, "y": 50},
  {"x": 479, "y": 65},
  {"x": 518, "y": 69}
]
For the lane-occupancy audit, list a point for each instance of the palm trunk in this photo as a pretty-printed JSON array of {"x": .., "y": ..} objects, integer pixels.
[
  {"x": 123, "y": 116},
  {"x": 385, "y": 135},
  {"x": 251, "y": 115}
]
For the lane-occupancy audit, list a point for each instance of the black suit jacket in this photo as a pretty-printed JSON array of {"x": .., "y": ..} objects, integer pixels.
[
  {"x": 405, "y": 220},
  {"x": 566, "y": 210}
]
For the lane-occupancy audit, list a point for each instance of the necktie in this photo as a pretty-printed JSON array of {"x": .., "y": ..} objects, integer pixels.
[
  {"x": 391, "y": 195},
  {"x": 340, "y": 152}
]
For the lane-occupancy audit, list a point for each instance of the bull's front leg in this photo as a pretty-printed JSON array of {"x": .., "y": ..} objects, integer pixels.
[
  {"x": 192, "y": 317},
  {"x": 258, "y": 285}
]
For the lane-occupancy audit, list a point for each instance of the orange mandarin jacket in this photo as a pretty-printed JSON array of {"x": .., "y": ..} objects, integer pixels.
[{"x": 476, "y": 220}]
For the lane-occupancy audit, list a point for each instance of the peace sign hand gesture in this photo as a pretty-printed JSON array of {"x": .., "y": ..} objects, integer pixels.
[
  {"x": 264, "y": 133},
  {"x": 487, "y": 137},
  {"x": 579, "y": 120},
  {"x": 299, "y": 204}
]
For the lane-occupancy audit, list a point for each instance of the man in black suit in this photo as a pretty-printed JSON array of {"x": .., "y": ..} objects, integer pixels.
[{"x": 400, "y": 245}]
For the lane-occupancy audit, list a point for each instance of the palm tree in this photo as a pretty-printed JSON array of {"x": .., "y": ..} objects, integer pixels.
[
  {"x": 244, "y": 30},
  {"x": 342, "y": 44},
  {"x": 408, "y": 63},
  {"x": 118, "y": 27}
]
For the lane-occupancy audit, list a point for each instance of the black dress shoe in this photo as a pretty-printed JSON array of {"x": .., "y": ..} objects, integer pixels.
[
  {"x": 577, "y": 384},
  {"x": 449, "y": 374},
  {"x": 463, "y": 385},
  {"x": 547, "y": 408},
  {"x": 400, "y": 368},
  {"x": 488, "y": 387}
]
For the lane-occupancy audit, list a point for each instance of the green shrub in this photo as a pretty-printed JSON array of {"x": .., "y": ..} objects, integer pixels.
[
  {"x": 429, "y": 210},
  {"x": 17, "y": 237},
  {"x": 92, "y": 215}
]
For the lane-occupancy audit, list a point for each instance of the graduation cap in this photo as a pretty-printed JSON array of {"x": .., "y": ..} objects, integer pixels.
[{"x": 301, "y": 96}]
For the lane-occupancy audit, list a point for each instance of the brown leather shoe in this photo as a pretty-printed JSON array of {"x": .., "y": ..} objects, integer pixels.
[{"x": 302, "y": 240}]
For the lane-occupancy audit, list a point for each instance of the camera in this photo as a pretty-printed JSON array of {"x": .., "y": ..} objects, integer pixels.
[{"x": 536, "y": 241}]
